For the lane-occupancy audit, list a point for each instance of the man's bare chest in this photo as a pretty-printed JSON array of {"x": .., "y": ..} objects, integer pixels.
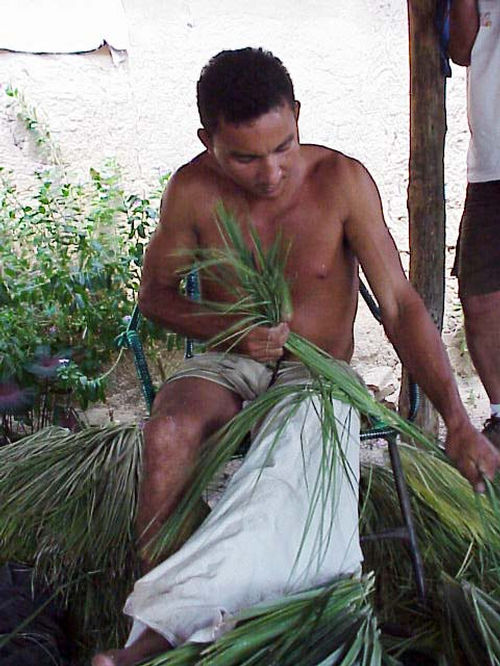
[{"x": 313, "y": 250}]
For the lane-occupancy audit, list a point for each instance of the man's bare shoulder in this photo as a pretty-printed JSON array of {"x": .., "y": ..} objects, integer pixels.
[
  {"x": 192, "y": 188},
  {"x": 328, "y": 161},
  {"x": 334, "y": 173},
  {"x": 197, "y": 173}
]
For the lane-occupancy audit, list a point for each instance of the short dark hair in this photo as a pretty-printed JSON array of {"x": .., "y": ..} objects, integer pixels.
[{"x": 241, "y": 85}]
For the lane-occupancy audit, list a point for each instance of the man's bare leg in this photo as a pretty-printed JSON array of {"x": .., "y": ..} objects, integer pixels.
[
  {"x": 147, "y": 645},
  {"x": 482, "y": 329},
  {"x": 184, "y": 414}
]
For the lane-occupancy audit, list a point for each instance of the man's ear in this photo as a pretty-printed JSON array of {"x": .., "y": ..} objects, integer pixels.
[
  {"x": 204, "y": 137},
  {"x": 297, "y": 109}
]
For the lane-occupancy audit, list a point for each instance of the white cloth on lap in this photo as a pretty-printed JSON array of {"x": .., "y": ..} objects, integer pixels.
[{"x": 254, "y": 545}]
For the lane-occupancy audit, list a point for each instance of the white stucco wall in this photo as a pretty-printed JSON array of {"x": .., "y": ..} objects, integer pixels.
[{"x": 348, "y": 60}]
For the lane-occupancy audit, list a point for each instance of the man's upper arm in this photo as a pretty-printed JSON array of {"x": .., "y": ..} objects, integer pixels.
[
  {"x": 164, "y": 256},
  {"x": 464, "y": 25},
  {"x": 369, "y": 238}
]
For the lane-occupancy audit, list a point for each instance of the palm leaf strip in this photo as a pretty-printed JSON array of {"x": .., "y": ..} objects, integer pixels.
[
  {"x": 67, "y": 507},
  {"x": 256, "y": 278},
  {"x": 331, "y": 625}
]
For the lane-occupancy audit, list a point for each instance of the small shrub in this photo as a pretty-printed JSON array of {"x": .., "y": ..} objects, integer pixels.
[{"x": 70, "y": 263}]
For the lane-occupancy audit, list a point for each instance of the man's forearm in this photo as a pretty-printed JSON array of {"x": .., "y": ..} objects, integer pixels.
[
  {"x": 177, "y": 313},
  {"x": 464, "y": 24},
  {"x": 419, "y": 346}
]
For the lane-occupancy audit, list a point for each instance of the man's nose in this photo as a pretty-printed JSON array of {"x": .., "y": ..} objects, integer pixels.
[{"x": 270, "y": 171}]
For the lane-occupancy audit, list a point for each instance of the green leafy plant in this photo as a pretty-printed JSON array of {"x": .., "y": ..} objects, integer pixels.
[
  {"x": 70, "y": 262},
  {"x": 36, "y": 127},
  {"x": 69, "y": 268}
]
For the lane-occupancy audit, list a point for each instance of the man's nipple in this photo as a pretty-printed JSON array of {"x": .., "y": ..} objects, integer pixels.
[{"x": 322, "y": 271}]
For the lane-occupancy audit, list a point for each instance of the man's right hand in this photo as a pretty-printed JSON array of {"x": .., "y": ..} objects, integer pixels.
[{"x": 265, "y": 344}]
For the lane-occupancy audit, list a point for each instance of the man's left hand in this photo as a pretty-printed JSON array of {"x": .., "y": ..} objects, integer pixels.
[{"x": 473, "y": 454}]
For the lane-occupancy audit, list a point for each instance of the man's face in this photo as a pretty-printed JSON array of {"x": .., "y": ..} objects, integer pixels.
[{"x": 259, "y": 155}]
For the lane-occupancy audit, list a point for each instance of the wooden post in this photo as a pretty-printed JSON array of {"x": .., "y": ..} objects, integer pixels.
[{"x": 426, "y": 178}]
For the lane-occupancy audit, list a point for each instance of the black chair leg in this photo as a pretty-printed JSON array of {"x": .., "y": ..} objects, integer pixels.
[{"x": 404, "y": 502}]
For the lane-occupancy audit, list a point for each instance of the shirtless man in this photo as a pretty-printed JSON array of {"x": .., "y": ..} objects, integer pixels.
[{"x": 328, "y": 207}]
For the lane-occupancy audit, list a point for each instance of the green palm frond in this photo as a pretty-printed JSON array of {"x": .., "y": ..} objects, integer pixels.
[
  {"x": 487, "y": 618},
  {"x": 252, "y": 275},
  {"x": 459, "y": 531},
  {"x": 258, "y": 281},
  {"x": 67, "y": 507},
  {"x": 328, "y": 625},
  {"x": 472, "y": 624}
]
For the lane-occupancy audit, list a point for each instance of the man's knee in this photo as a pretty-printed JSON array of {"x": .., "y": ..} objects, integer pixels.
[
  {"x": 481, "y": 310},
  {"x": 169, "y": 436}
]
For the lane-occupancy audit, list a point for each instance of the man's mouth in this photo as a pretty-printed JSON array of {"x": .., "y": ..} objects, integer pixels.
[{"x": 269, "y": 189}]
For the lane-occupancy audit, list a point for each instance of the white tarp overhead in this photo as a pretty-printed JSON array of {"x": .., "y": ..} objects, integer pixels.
[{"x": 62, "y": 26}]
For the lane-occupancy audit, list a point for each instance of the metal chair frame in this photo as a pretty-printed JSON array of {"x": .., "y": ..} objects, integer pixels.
[{"x": 130, "y": 339}]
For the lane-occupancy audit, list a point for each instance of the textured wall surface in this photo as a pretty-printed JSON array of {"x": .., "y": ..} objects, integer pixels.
[{"x": 348, "y": 59}]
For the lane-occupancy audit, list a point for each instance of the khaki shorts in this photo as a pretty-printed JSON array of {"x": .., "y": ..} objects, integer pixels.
[
  {"x": 477, "y": 260},
  {"x": 241, "y": 374},
  {"x": 244, "y": 376}
]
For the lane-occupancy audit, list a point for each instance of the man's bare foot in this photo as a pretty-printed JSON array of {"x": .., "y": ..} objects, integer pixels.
[
  {"x": 149, "y": 644},
  {"x": 111, "y": 658}
]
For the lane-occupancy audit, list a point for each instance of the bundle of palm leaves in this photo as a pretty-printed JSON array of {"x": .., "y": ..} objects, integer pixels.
[
  {"x": 458, "y": 533},
  {"x": 67, "y": 508},
  {"x": 255, "y": 278},
  {"x": 328, "y": 625},
  {"x": 447, "y": 511},
  {"x": 68, "y": 502}
]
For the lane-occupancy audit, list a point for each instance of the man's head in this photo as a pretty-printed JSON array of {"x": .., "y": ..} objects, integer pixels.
[
  {"x": 239, "y": 86},
  {"x": 249, "y": 118}
]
